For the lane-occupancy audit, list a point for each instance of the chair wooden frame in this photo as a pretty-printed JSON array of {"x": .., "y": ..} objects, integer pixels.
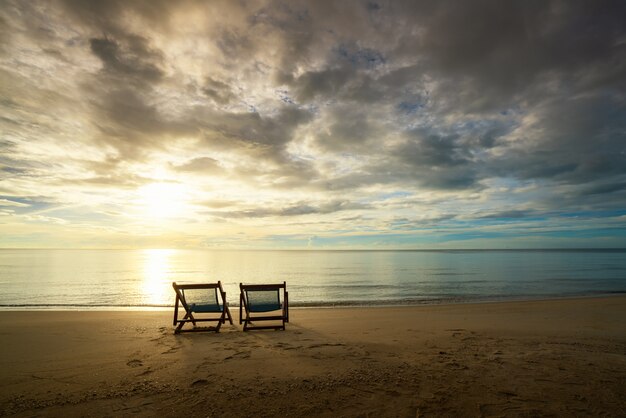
[
  {"x": 189, "y": 310},
  {"x": 245, "y": 307}
]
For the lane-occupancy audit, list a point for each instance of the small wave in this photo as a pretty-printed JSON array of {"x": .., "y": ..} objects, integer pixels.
[
  {"x": 453, "y": 274},
  {"x": 349, "y": 286},
  {"x": 80, "y": 305},
  {"x": 410, "y": 300}
]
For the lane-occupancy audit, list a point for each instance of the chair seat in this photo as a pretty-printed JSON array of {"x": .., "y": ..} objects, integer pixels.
[
  {"x": 265, "y": 307},
  {"x": 205, "y": 308}
]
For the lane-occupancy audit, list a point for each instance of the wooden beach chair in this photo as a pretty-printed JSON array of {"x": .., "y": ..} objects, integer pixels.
[
  {"x": 201, "y": 299},
  {"x": 262, "y": 302}
]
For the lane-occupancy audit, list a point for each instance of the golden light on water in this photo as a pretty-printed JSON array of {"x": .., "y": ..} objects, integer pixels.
[{"x": 156, "y": 285}]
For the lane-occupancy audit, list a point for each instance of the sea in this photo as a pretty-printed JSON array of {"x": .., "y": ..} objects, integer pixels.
[{"x": 142, "y": 279}]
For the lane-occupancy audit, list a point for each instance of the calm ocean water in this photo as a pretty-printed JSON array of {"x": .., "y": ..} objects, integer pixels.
[{"x": 85, "y": 279}]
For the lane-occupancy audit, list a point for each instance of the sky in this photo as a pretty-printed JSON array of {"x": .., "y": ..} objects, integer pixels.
[{"x": 312, "y": 124}]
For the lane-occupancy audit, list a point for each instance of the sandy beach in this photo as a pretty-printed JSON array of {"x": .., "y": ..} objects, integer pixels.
[{"x": 534, "y": 358}]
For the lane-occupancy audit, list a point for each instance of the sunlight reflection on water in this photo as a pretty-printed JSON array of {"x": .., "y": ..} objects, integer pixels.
[{"x": 156, "y": 283}]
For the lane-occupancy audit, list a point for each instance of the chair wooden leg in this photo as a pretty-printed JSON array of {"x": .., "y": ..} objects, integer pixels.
[
  {"x": 221, "y": 321},
  {"x": 230, "y": 317},
  {"x": 240, "y": 308},
  {"x": 189, "y": 316},
  {"x": 180, "y": 326}
]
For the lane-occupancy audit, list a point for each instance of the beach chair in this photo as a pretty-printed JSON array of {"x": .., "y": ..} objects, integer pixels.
[
  {"x": 201, "y": 299},
  {"x": 262, "y": 302}
]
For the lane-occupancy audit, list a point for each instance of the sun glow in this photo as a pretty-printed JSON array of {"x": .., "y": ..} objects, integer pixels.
[{"x": 163, "y": 200}]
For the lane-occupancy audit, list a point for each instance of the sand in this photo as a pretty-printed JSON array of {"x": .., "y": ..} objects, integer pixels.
[{"x": 537, "y": 358}]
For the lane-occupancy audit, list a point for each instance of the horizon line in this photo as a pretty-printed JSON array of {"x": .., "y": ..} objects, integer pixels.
[{"x": 321, "y": 249}]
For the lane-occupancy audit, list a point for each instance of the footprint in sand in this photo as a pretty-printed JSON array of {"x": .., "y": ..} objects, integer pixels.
[
  {"x": 284, "y": 346},
  {"x": 240, "y": 354},
  {"x": 145, "y": 372},
  {"x": 164, "y": 333},
  {"x": 325, "y": 345},
  {"x": 171, "y": 349},
  {"x": 134, "y": 363},
  {"x": 199, "y": 382}
]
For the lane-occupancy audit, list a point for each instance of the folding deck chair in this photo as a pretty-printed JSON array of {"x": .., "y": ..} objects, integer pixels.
[
  {"x": 201, "y": 298},
  {"x": 262, "y": 302}
]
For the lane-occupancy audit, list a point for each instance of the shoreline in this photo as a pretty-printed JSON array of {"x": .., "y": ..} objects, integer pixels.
[
  {"x": 313, "y": 305},
  {"x": 523, "y": 358}
]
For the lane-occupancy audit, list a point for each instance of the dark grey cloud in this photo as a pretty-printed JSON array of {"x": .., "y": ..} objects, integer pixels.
[
  {"x": 358, "y": 57},
  {"x": 426, "y": 149},
  {"x": 509, "y": 214},
  {"x": 130, "y": 124},
  {"x": 302, "y": 208},
  {"x": 253, "y": 135},
  {"x": 437, "y": 160},
  {"x": 234, "y": 44},
  {"x": 603, "y": 188},
  {"x": 133, "y": 60},
  {"x": 5, "y": 33},
  {"x": 575, "y": 140},
  {"x": 351, "y": 130},
  {"x": 294, "y": 25},
  {"x": 316, "y": 84},
  {"x": 218, "y": 91},
  {"x": 490, "y": 53}
]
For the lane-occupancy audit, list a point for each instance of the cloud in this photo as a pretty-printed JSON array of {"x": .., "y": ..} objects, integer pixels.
[
  {"x": 315, "y": 84},
  {"x": 299, "y": 209},
  {"x": 134, "y": 60},
  {"x": 491, "y": 54},
  {"x": 202, "y": 164},
  {"x": 509, "y": 214},
  {"x": 462, "y": 110},
  {"x": 348, "y": 129},
  {"x": 218, "y": 91},
  {"x": 600, "y": 189},
  {"x": 576, "y": 140},
  {"x": 6, "y": 202}
]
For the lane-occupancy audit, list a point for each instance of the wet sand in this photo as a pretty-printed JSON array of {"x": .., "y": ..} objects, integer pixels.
[{"x": 538, "y": 358}]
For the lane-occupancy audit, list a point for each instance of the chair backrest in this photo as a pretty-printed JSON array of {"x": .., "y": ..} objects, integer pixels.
[
  {"x": 200, "y": 297},
  {"x": 202, "y": 300},
  {"x": 263, "y": 298}
]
